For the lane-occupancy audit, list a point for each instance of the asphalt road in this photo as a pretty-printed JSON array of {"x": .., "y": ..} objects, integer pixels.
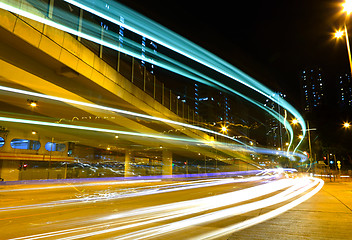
[
  {"x": 325, "y": 216},
  {"x": 146, "y": 209}
]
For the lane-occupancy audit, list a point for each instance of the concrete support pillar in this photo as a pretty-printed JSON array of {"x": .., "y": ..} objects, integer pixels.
[
  {"x": 9, "y": 170},
  {"x": 128, "y": 166},
  {"x": 243, "y": 166},
  {"x": 167, "y": 163}
]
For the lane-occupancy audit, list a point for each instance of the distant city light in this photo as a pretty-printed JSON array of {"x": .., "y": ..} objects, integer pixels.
[{"x": 346, "y": 125}]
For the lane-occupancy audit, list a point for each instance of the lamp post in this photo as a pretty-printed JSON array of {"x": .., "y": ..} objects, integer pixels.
[
  {"x": 339, "y": 34},
  {"x": 294, "y": 121},
  {"x": 347, "y": 8}
]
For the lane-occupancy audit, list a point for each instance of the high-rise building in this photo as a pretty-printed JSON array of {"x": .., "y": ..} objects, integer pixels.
[
  {"x": 275, "y": 131},
  {"x": 152, "y": 46},
  {"x": 213, "y": 105},
  {"x": 312, "y": 86},
  {"x": 345, "y": 91}
]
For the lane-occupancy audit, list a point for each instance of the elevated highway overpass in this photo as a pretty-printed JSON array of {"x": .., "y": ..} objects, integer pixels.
[
  {"x": 100, "y": 103},
  {"x": 38, "y": 58}
]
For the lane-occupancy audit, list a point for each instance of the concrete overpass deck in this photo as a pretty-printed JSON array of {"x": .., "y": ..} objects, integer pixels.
[{"x": 41, "y": 59}]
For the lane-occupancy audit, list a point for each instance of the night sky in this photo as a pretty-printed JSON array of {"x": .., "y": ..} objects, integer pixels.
[{"x": 270, "y": 40}]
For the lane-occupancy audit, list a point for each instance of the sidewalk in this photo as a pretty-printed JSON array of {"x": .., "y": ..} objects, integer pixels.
[{"x": 327, "y": 215}]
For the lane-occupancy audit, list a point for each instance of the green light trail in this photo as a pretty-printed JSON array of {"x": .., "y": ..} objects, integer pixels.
[
  {"x": 155, "y": 32},
  {"x": 115, "y": 110},
  {"x": 143, "y": 26}
]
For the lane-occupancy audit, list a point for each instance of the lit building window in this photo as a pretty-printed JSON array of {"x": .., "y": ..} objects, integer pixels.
[
  {"x": 25, "y": 144},
  {"x": 57, "y": 147}
]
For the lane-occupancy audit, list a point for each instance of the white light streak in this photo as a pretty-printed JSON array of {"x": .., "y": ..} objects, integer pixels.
[
  {"x": 144, "y": 216},
  {"x": 115, "y": 110},
  {"x": 263, "y": 217}
]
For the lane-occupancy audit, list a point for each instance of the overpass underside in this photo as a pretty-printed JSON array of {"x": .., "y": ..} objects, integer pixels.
[{"x": 37, "y": 60}]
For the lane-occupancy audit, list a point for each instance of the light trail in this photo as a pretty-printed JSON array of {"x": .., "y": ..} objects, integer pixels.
[
  {"x": 139, "y": 191},
  {"x": 149, "y": 215},
  {"x": 263, "y": 217},
  {"x": 103, "y": 130},
  {"x": 210, "y": 61},
  {"x": 142, "y": 25},
  {"x": 207, "y": 208},
  {"x": 281, "y": 153},
  {"x": 232, "y": 197},
  {"x": 184, "y": 47},
  {"x": 221, "y": 214},
  {"x": 129, "y": 113},
  {"x": 115, "y": 110},
  {"x": 79, "y": 185}
]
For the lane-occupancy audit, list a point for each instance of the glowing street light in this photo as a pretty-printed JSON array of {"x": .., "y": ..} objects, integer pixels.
[
  {"x": 32, "y": 103},
  {"x": 300, "y": 136},
  {"x": 294, "y": 121},
  {"x": 346, "y": 125},
  {"x": 339, "y": 34},
  {"x": 224, "y": 129},
  {"x": 347, "y": 7}
]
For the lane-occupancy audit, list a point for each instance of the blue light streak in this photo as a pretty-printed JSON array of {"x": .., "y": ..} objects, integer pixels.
[
  {"x": 143, "y": 26},
  {"x": 159, "y": 34}
]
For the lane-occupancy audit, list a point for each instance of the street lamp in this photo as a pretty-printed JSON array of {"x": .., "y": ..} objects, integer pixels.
[
  {"x": 347, "y": 7},
  {"x": 294, "y": 121},
  {"x": 32, "y": 103},
  {"x": 224, "y": 129},
  {"x": 338, "y": 34},
  {"x": 309, "y": 143},
  {"x": 346, "y": 125}
]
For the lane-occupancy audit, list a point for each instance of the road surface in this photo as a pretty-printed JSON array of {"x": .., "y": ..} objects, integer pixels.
[{"x": 147, "y": 208}]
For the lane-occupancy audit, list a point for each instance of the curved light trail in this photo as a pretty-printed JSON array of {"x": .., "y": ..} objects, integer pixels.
[
  {"x": 136, "y": 134},
  {"x": 318, "y": 184},
  {"x": 115, "y": 110},
  {"x": 103, "y": 130},
  {"x": 165, "y": 220},
  {"x": 174, "y": 42},
  {"x": 98, "y": 210},
  {"x": 141, "y": 25},
  {"x": 129, "y": 113}
]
